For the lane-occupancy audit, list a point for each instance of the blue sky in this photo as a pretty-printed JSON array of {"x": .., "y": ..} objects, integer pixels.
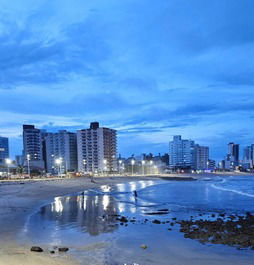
[{"x": 150, "y": 69}]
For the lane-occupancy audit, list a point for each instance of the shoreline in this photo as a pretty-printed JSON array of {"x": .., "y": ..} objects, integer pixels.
[{"x": 20, "y": 199}]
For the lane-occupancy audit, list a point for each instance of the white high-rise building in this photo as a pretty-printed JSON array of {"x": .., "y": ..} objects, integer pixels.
[
  {"x": 61, "y": 145},
  {"x": 97, "y": 149},
  {"x": 185, "y": 154},
  {"x": 33, "y": 150},
  {"x": 181, "y": 153}
]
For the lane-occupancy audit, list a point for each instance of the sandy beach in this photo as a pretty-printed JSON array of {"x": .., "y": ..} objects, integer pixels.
[{"x": 19, "y": 199}]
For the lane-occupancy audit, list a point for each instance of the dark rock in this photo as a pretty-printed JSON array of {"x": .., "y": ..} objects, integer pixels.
[
  {"x": 63, "y": 249},
  {"x": 36, "y": 249},
  {"x": 156, "y": 221}
]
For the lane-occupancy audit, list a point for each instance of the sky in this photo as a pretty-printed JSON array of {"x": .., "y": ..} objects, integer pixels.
[{"x": 150, "y": 69}]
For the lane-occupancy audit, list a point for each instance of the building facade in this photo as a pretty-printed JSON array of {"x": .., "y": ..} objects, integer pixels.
[
  {"x": 181, "y": 153},
  {"x": 33, "y": 148},
  {"x": 201, "y": 157},
  {"x": 4, "y": 150},
  {"x": 185, "y": 154},
  {"x": 61, "y": 145},
  {"x": 97, "y": 149}
]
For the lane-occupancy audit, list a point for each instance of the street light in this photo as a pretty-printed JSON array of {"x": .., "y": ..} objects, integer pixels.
[
  {"x": 58, "y": 162},
  {"x": 28, "y": 158},
  {"x": 119, "y": 166},
  {"x": 8, "y": 162},
  {"x": 84, "y": 165},
  {"x": 105, "y": 165},
  {"x": 151, "y": 163},
  {"x": 143, "y": 166},
  {"x": 132, "y": 165}
]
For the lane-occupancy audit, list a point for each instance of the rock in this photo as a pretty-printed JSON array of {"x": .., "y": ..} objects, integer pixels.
[
  {"x": 156, "y": 221},
  {"x": 52, "y": 252},
  {"x": 63, "y": 249},
  {"x": 122, "y": 219},
  {"x": 36, "y": 249},
  {"x": 143, "y": 246}
]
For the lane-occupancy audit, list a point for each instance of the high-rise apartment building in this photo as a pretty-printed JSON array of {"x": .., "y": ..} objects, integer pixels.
[
  {"x": 233, "y": 152},
  {"x": 97, "y": 149},
  {"x": 181, "y": 153},
  {"x": 185, "y": 154},
  {"x": 33, "y": 150},
  {"x": 201, "y": 157},
  {"x": 61, "y": 145},
  {"x": 4, "y": 150}
]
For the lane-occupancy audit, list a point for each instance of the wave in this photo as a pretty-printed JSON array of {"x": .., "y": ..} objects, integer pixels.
[{"x": 232, "y": 190}]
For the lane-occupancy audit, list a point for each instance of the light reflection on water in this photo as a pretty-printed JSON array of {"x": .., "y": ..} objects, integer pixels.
[{"x": 92, "y": 212}]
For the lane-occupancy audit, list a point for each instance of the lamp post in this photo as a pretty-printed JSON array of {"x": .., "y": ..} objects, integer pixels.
[
  {"x": 119, "y": 166},
  {"x": 58, "y": 162},
  {"x": 8, "y": 162},
  {"x": 143, "y": 166},
  {"x": 105, "y": 165},
  {"x": 28, "y": 158},
  {"x": 151, "y": 163},
  {"x": 84, "y": 165},
  {"x": 132, "y": 165}
]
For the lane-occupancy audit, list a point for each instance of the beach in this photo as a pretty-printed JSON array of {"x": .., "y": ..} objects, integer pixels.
[{"x": 21, "y": 201}]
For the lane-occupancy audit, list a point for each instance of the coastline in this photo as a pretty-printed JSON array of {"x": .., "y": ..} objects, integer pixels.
[{"x": 19, "y": 199}]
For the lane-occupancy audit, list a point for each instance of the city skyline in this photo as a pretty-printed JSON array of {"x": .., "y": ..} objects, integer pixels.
[{"x": 149, "y": 71}]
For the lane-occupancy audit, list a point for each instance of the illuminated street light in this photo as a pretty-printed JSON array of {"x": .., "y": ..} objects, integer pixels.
[
  {"x": 119, "y": 166},
  {"x": 8, "y": 162},
  {"x": 58, "y": 162},
  {"x": 143, "y": 162},
  {"x": 28, "y": 158},
  {"x": 132, "y": 165}
]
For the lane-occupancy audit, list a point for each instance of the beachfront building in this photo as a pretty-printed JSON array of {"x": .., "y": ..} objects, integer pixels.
[
  {"x": 232, "y": 157},
  {"x": 97, "y": 149},
  {"x": 248, "y": 157},
  {"x": 181, "y": 153},
  {"x": 186, "y": 155},
  {"x": 61, "y": 152},
  {"x": 201, "y": 157},
  {"x": 33, "y": 149},
  {"x": 4, "y": 150}
]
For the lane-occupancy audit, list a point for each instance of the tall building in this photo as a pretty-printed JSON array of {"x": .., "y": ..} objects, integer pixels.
[
  {"x": 62, "y": 145},
  {"x": 97, "y": 149},
  {"x": 33, "y": 150},
  {"x": 233, "y": 152},
  {"x": 232, "y": 157},
  {"x": 248, "y": 156},
  {"x": 185, "y": 154},
  {"x": 181, "y": 153},
  {"x": 4, "y": 150},
  {"x": 201, "y": 157}
]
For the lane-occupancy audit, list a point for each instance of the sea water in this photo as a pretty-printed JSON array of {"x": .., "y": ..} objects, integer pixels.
[{"x": 89, "y": 218}]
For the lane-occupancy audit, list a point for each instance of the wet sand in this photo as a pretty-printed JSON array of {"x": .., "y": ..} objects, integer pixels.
[{"x": 20, "y": 199}]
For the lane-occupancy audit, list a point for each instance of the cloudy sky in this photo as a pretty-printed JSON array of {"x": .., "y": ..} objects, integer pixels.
[{"x": 150, "y": 69}]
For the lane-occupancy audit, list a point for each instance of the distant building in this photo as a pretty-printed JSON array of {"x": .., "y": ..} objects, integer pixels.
[
  {"x": 62, "y": 145},
  {"x": 19, "y": 160},
  {"x": 33, "y": 149},
  {"x": 97, "y": 149},
  {"x": 201, "y": 157},
  {"x": 232, "y": 157},
  {"x": 4, "y": 150},
  {"x": 181, "y": 153},
  {"x": 211, "y": 164},
  {"x": 248, "y": 156},
  {"x": 185, "y": 154}
]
